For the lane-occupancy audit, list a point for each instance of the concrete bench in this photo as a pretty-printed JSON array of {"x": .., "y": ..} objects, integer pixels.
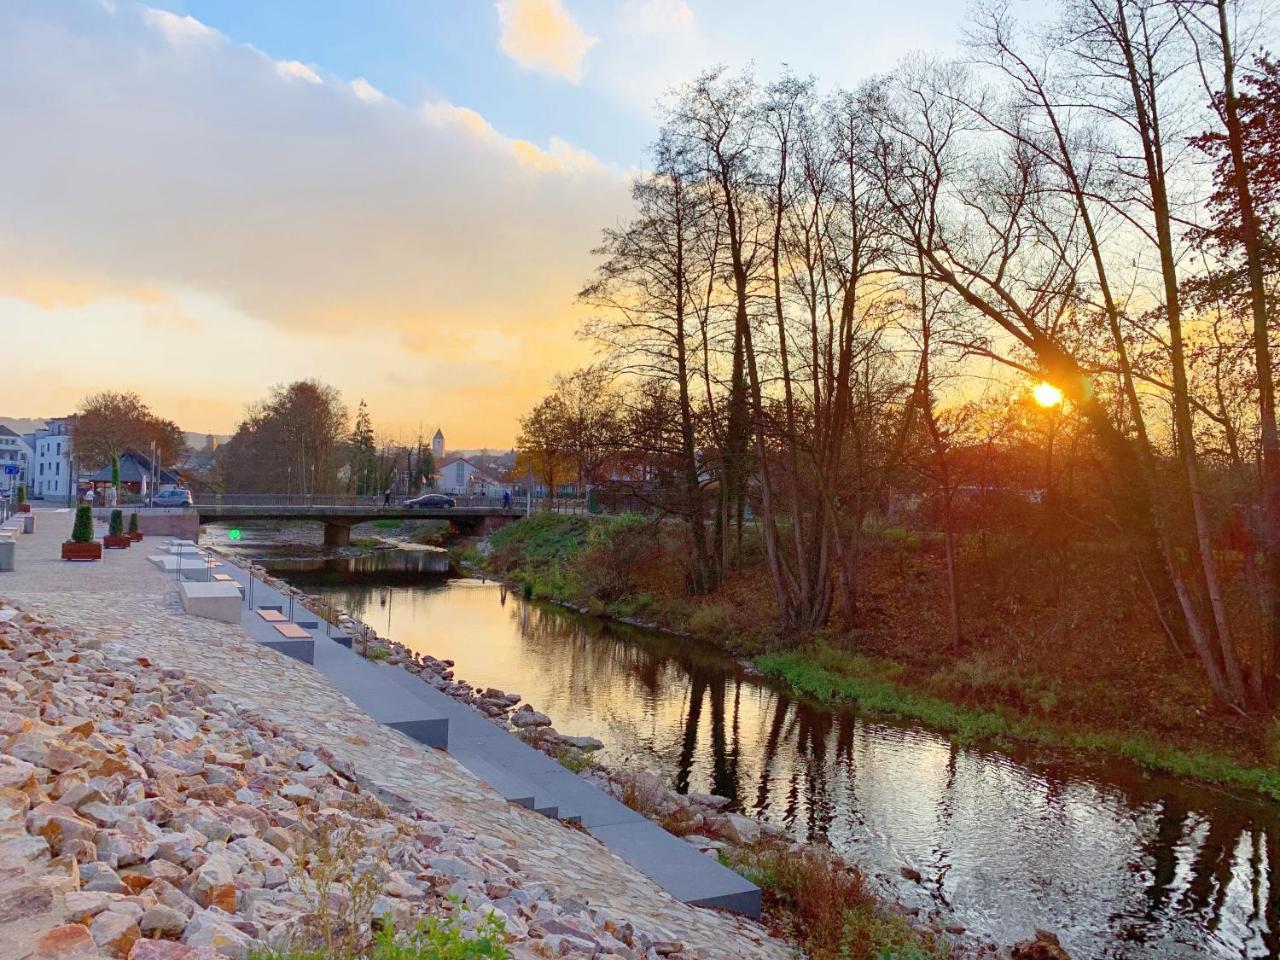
[{"x": 214, "y": 601}]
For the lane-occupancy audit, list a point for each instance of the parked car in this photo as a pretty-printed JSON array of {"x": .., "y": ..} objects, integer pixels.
[
  {"x": 435, "y": 501},
  {"x": 172, "y": 498}
]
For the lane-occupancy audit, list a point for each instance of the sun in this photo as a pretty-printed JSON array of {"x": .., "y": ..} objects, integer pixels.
[{"x": 1046, "y": 394}]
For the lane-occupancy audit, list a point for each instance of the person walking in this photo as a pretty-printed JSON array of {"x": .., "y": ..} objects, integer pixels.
[
  {"x": 386, "y": 498},
  {"x": 506, "y": 499}
]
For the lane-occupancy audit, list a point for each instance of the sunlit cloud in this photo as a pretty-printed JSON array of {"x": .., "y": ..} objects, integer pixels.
[
  {"x": 176, "y": 29},
  {"x": 542, "y": 35},
  {"x": 316, "y": 218},
  {"x": 293, "y": 70},
  {"x": 366, "y": 91}
]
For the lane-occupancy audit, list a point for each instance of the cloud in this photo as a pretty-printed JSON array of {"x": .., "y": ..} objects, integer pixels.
[
  {"x": 541, "y": 35},
  {"x": 176, "y": 29},
  {"x": 293, "y": 70},
  {"x": 656, "y": 16},
  {"x": 137, "y": 159},
  {"x": 366, "y": 91}
]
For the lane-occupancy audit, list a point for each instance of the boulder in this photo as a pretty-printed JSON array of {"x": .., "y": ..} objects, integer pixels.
[
  {"x": 114, "y": 933},
  {"x": 67, "y": 942},
  {"x": 1044, "y": 946}
]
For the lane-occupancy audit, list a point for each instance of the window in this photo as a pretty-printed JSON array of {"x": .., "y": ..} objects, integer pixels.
[{"x": 460, "y": 474}]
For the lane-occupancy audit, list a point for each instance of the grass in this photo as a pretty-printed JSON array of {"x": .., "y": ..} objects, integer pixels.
[
  {"x": 825, "y": 907},
  {"x": 571, "y": 758},
  {"x": 833, "y": 676},
  {"x": 436, "y": 938},
  {"x": 386, "y": 524}
]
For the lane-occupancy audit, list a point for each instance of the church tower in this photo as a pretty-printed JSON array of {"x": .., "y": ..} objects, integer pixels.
[{"x": 437, "y": 445}]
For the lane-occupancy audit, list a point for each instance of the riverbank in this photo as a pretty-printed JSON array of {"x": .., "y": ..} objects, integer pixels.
[
  {"x": 796, "y": 877},
  {"x": 131, "y": 660},
  {"x": 1113, "y": 693}
]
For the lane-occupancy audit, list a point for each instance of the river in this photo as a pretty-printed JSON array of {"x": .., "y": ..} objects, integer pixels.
[{"x": 1118, "y": 864}]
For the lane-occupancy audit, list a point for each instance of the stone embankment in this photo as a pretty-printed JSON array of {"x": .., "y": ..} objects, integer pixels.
[
  {"x": 143, "y": 815},
  {"x": 700, "y": 819},
  {"x": 188, "y": 729}
]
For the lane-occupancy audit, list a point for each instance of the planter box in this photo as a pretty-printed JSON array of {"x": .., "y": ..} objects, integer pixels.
[
  {"x": 81, "y": 551},
  {"x": 116, "y": 543},
  {"x": 24, "y": 508},
  {"x": 135, "y": 537}
]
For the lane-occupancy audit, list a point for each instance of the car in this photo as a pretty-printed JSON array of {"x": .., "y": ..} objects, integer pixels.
[
  {"x": 433, "y": 500},
  {"x": 172, "y": 498}
]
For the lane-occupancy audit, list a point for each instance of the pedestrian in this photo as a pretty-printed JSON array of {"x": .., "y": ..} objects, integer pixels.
[
  {"x": 506, "y": 499},
  {"x": 386, "y": 498}
]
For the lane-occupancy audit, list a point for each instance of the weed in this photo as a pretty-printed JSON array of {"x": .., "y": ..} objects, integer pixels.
[
  {"x": 444, "y": 938},
  {"x": 341, "y": 878},
  {"x": 825, "y": 906},
  {"x": 571, "y": 758}
]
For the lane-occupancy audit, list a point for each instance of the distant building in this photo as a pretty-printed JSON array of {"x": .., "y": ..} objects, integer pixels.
[
  {"x": 52, "y": 473},
  {"x": 460, "y": 475},
  {"x": 137, "y": 475},
  {"x": 14, "y": 452},
  {"x": 437, "y": 445}
]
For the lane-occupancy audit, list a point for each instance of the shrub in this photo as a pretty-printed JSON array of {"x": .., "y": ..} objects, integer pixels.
[
  {"x": 22, "y": 493},
  {"x": 116, "y": 527},
  {"x": 443, "y": 938},
  {"x": 614, "y": 549},
  {"x": 82, "y": 530},
  {"x": 339, "y": 859},
  {"x": 133, "y": 523},
  {"x": 825, "y": 905}
]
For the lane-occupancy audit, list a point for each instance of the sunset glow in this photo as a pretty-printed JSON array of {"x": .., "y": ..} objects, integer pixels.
[{"x": 1046, "y": 394}]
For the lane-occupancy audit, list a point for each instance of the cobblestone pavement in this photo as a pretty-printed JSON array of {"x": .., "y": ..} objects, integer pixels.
[{"x": 133, "y": 608}]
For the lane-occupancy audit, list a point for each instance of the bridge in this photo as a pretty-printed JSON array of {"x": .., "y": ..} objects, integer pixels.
[{"x": 473, "y": 516}]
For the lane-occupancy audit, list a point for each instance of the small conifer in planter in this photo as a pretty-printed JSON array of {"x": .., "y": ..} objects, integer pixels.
[
  {"x": 134, "y": 533},
  {"x": 23, "y": 506},
  {"x": 82, "y": 546},
  {"x": 116, "y": 538}
]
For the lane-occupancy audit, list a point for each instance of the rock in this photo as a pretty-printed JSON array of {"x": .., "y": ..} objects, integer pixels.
[
  {"x": 526, "y": 717},
  {"x": 1045, "y": 946},
  {"x": 102, "y": 879},
  {"x": 163, "y": 921},
  {"x": 22, "y": 902},
  {"x": 114, "y": 932},
  {"x": 160, "y": 950},
  {"x": 57, "y": 823},
  {"x": 740, "y": 829},
  {"x": 215, "y": 929},
  {"x": 67, "y": 942},
  {"x": 911, "y": 873}
]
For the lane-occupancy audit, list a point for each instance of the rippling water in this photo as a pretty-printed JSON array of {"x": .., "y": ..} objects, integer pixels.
[{"x": 1118, "y": 864}]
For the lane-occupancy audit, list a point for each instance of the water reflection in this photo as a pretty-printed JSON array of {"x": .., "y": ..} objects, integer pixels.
[{"x": 1122, "y": 866}]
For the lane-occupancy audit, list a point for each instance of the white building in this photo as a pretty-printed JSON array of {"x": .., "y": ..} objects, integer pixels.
[
  {"x": 51, "y": 476},
  {"x": 14, "y": 452},
  {"x": 458, "y": 475}
]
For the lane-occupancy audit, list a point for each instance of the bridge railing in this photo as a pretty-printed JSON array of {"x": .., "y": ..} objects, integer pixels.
[{"x": 325, "y": 501}]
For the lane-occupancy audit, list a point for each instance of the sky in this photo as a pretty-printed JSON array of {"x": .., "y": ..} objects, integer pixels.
[{"x": 202, "y": 198}]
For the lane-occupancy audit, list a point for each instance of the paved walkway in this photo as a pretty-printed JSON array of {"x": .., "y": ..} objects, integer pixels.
[{"x": 134, "y": 609}]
